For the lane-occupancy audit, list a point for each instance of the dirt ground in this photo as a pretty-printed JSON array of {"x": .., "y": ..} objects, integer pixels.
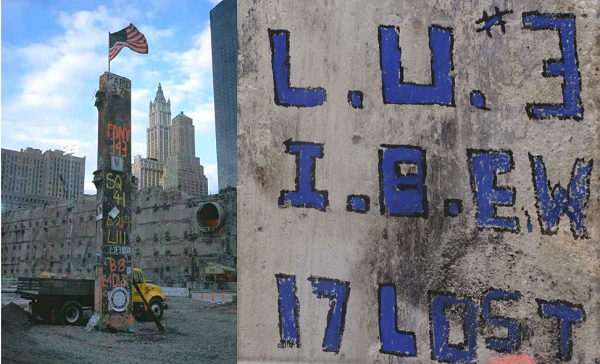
[{"x": 195, "y": 333}]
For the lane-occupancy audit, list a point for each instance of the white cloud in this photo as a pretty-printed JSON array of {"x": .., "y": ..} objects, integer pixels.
[
  {"x": 138, "y": 148},
  {"x": 150, "y": 75},
  {"x": 128, "y": 10},
  {"x": 210, "y": 171},
  {"x": 154, "y": 34},
  {"x": 193, "y": 67},
  {"x": 204, "y": 117},
  {"x": 128, "y": 63},
  {"x": 54, "y": 86},
  {"x": 61, "y": 66},
  {"x": 88, "y": 28},
  {"x": 139, "y": 95},
  {"x": 139, "y": 110},
  {"x": 32, "y": 53}
]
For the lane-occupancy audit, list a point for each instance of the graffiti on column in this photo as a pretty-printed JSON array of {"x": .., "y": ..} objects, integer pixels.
[
  {"x": 114, "y": 161},
  {"x": 403, "y": 192}
]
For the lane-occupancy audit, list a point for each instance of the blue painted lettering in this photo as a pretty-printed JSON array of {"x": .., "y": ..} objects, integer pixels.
[
  {"x": 485, "y": 165},
  {"x": 567, "y": 315},
  {"x": 552, "y": 203},
  {"x": 513, "y": 342},
  {"x": 400, "y": 343},
  {"x": 305, "y": 194},
  {"x": 567, "y": 66},
  {"x": 280, "y": 58},
  {"x": 338, "y": 293},
  {"x": 289, "y": 311},
  {"x": 402, "y": 173},
  {"x": 396, "y": 91},
  {"x": 441, "y": 349}
]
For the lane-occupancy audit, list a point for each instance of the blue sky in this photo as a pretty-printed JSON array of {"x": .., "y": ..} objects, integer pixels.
[{"x": 53, "y": 53}]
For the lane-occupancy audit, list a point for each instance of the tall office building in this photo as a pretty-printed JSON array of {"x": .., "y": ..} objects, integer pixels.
[
  {"x": 183, "y": 139},
  {"x": 30, "y": 177},
  {"x": 171, "y": 162},
  {"x": 149, "y": 171},
  {"x": 160, "y": 124},
  {"x": 183, "y": 170},
  {"x": 223, "y": 30}
]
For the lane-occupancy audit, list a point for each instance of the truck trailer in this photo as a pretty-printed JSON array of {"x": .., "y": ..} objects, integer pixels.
[{"x": 63, "y": 301}]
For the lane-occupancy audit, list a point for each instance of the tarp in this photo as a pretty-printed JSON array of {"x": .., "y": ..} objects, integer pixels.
[{"x": 215, "y": 268}]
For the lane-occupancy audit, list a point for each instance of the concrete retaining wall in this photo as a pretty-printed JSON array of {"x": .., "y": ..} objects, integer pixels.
[{"x": 167, "y": 241}]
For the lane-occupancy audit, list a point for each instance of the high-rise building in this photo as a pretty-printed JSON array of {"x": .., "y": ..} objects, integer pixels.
[
  {"x": 183, "y": 139},
  {"x": 223, "y": 30},
  {"x": 148, "y": 171},
  {"x": 172, "y": 163},
  {"x": 183, "y": 170},
  {"x": 160, "y": 124},
  {"x": 30, "y": 177}
]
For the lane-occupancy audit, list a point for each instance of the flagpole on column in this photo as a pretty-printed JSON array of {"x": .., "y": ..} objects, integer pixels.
[{"x": 108, "y": 52}]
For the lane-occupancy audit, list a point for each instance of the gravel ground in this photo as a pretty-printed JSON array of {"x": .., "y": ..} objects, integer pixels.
[{"x": 195, "y": 333}]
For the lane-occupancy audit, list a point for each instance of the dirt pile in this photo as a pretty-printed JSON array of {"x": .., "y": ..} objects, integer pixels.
[
  {"x": 17, "y": 346},
  {"x": 14, "y": 317}
]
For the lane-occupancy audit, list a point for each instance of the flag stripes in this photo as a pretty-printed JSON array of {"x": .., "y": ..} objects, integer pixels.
[{"x": 129, "y": 37}]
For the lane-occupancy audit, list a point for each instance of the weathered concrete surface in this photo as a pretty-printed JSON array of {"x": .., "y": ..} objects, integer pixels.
[
  {"x": 114, "y": 191},
  {"x": 334, "y": 45}
]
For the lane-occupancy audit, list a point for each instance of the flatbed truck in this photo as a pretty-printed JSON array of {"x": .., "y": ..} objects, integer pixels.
[{"x": 63, "y": 301}]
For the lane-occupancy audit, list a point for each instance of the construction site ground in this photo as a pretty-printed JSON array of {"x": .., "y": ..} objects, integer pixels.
[{"x": 195, "y": 332}]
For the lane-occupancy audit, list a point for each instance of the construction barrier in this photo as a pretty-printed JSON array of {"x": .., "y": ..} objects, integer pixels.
[
  {"x": 175, "y": 291},
  {"x": 215, "y": 297}
]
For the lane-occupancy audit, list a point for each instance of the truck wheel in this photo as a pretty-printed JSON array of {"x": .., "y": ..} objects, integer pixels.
[
  {"x": 71, "y": 313},
  {"x": 157, "y": 308}
]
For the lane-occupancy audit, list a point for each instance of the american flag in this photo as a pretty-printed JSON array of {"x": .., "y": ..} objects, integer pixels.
[{"x": 129, "y": 37}]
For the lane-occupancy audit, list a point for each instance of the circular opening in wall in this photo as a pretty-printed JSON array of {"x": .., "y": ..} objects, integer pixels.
[{"x": 211, "y": 215}]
